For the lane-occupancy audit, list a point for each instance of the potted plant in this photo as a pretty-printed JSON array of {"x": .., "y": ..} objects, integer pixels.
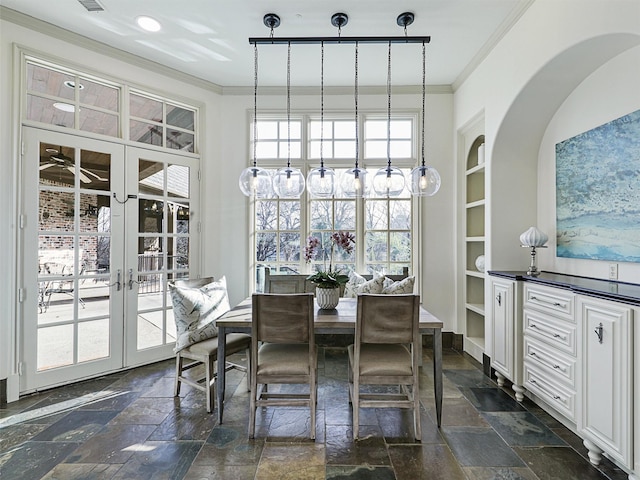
[{"x": 328, "y": 281}]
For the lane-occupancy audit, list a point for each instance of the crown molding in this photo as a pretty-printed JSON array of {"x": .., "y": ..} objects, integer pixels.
[
  {"x": 54, "y": 31},
  {"x": 493, "y": 40}
]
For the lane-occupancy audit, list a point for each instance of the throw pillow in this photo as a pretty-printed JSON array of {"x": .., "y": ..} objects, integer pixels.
[
  {"x": 397, "y": 288},
  {"x": 374, "y": 285},
  {"x": 196, "y": 310},
  {"x": 350, "y": 287}
]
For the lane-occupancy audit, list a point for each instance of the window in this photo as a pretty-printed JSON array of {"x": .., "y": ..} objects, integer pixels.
[
  {"x": 383, "y": 226},
  {"x": 56, "y": 95}
]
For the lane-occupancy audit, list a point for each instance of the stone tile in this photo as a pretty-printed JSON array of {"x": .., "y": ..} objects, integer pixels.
[
  {"x": 83, "y": 471},
  {"x": 16, "y": 434},
  {"x": 457, "y": 412},
  {"x": 396, "y": 425},
  {"x": 146, "y": 411},
  {"x": 522, "y": 429},
  {"x": 76, "y": 427},
  {"x": 491, "y": 400},
  {"x": 291, "y": 462},
  {"x": 33, "y": 460},
  {"x": 359, "y": 472},
  {"x": 468, "y": 378},
  {"x": 290, "y": 425},
  {"x": 552, "y": 463},
  {"x": 116, "y": 401},
  {"x": 499, "y": 473},
  {"x": 480, "y": 447},
  {"x": 114, "y": 444},
  {"x": 185, "y": 424},
  {"x": 221, "y": 472},
  {"x": 424, "y": 462},
  {"x": 370, "y": 449},
  {"x": 342, "y": 414},
  {"x": 159, "y": 461},
  {"x": 229, "y": 445}
]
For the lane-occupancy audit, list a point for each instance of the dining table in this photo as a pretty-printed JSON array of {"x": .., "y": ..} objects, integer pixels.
[{"x": 341, "y": 320}]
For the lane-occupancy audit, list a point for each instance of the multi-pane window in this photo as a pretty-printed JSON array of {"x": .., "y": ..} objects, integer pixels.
[
  {"x": 56, "y": 95},
  {"x": 382, "y": 226}
]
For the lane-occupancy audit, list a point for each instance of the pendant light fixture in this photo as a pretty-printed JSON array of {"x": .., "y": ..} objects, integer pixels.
[
  {"x": 321, "y": 182},
  {"x": 354, "y": 180},
  {"x": 288, "y": 182},
  {"x": 389, "y": 181},
  {"x": 255, "y": 181},
  {"x": 425, "y": 181}
]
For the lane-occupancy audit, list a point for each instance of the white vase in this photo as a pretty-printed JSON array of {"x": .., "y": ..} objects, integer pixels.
[
  {"x": 480, "y": 263},
  {"x": 327, "y": 298}
]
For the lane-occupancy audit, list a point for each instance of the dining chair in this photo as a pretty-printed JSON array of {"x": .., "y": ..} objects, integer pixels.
[
  {"x": 205, "y": 352},
  {"x": 385, "y": 352},
  {"x": 283, "y": 351}
]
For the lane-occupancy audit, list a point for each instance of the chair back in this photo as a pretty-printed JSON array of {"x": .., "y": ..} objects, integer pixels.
[
  {"x": 387, "y": 318},
  {"x": 193, "y": 282},
  {"x": 283, "y": 318},
  {"x": 281, "y": 283}
]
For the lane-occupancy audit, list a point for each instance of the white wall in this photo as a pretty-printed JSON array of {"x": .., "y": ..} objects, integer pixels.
[{"x": 609, "y": 93}]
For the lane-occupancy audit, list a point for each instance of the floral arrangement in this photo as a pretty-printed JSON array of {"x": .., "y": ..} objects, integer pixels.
[{"x": 329, "y": 278}]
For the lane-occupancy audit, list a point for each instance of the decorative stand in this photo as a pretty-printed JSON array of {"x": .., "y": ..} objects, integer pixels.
[{"x": 533, "y": 271}]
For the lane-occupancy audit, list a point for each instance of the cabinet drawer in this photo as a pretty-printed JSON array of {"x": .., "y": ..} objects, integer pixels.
[
  {"x": 558, "y": 334},
  {"x": 552, "y": 300},
  {"x": 558, "y": 396},
  {"x": 548, "y": 359}
]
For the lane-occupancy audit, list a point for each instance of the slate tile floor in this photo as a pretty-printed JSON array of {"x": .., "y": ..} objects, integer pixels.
[{"x": 129, "y": 426}]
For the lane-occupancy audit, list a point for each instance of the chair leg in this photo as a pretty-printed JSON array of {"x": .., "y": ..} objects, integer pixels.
[
  {"x": 252, "y": 407},
  {"x": 416, "y": 411},
  {"x": 355, "y": 401},
  {"x": 179, "y": 359},
  {"x": 209, "y": 385},
  {"x": 313, "y": 392}
]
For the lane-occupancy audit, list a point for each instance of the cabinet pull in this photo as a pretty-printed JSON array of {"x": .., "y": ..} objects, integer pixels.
[
  {"x": 542, "y": 360},
  {"x": 555, "y": 304},
  {"x": 599, "y": 332},
  {"x": 554, "y": 335},
  {"x": 552, "y": 395},
  {"x": 499, "y": 299}
]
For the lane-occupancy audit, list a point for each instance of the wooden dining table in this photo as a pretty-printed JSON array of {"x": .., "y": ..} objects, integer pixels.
[{"x": 341, "y": 320}]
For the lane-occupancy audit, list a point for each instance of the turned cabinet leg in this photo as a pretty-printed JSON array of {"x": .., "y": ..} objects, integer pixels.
[
  {"x": 519, "y": 389},
  {"x": 595, "y": 453},
  {"x": 500, "y": 379}
]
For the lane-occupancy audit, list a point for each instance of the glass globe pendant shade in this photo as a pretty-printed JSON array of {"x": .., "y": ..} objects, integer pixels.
[
  {"x": 354, "y": 183},
  {"x": 321, "y": 182},
  {"x": 389, "y": 181},
  {"x": 288, "y": 182},
  {"x": 256, "y": 182},
  {"x": 425, "y": 181}
]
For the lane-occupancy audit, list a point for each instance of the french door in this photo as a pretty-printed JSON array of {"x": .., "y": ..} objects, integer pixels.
[{"x": 105, "y": 227}]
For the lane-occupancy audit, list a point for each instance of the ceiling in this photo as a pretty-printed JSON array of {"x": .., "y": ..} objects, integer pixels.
[{"x": 209, "y": 39}]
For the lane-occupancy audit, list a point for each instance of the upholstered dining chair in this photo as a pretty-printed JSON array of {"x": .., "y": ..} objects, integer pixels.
[
  {"x": 385, "y": 352},
  {"x": 283, "y": 351},
  {"x": 197, "y": 304}
]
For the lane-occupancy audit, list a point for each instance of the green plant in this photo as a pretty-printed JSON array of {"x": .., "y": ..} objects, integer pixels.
[{"x": 329, "y": 278}]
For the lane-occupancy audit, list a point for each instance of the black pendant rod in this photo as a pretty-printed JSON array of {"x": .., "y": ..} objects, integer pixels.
[{"x": 318, "y": 40}]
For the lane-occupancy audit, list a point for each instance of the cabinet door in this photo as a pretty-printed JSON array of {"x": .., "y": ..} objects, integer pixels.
[
  {"x": 502, "y": 327},
  {"x": 606, "y": 408}
]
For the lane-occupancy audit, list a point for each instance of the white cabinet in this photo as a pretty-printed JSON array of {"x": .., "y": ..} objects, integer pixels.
[
  {"x": 606, "y": 382},
  {"x": 506, "y": 332}
]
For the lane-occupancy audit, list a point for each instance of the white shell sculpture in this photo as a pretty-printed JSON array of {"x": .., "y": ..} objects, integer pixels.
[{"x": 533, "y": 238}]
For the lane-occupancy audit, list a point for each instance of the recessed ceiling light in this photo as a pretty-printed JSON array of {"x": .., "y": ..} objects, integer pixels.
[
  {"x": 65, "y": 107},
  {"x": 72, "y": 84},
  {"x": 147, "y": 23}
]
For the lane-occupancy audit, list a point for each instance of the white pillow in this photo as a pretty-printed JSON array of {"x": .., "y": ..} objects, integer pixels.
[
  {"x": 350, "y": 287},
  {"x": 397, "y": 288},
  {"x": 196, "y": 310},
  {"x": 374, "y": 285}
]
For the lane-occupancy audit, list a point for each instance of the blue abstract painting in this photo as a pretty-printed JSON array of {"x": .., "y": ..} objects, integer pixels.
[{"x": 598, "y": 192}]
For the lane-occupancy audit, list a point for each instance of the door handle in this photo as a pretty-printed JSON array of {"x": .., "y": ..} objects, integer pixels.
[
  {"x": 130, "y": 282},
  {"x": 499, "y": 299},
  {"x": 599, "y": 332}
]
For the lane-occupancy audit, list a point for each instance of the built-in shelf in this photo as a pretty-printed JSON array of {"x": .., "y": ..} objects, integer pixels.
[{"x": 474, "y": 224}]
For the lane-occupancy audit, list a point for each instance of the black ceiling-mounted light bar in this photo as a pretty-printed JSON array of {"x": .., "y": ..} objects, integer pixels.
[{"x": 271, "y": 20}]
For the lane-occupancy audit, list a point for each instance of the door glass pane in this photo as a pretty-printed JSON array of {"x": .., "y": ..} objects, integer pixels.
[
  {"x": 98, "y": 122},
  {"x": 150, "y": 329},
  {"x": 178, "y": 181},
  {"x": 145, "y": 132},
  {"x": 45, "y": 80},
  {"x": 49, "y": 111},
  {"x": 93, "y": 340},
  {"x": 178, "y": 218},
  {"x": 55, "y": 347},
  {"x": 56, "y": 211},
  {"x": 98, "y": 95},
  {"x": 150, "y": 216},
  {"x": 178, "y": 253},
  {"x": 57, "y": 165},
  {"x": 180, "y": 117},
  {"x": 151, "y": 177},
  {"x": 144, "y": 107}
]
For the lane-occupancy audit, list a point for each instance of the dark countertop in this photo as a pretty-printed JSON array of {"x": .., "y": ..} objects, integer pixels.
[{"x": 594, "y": 287}]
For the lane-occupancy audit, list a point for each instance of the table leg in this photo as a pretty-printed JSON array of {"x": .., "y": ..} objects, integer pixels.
[
  {"x": 437, "y": 372},
  {"x": 220, "y": 379}
]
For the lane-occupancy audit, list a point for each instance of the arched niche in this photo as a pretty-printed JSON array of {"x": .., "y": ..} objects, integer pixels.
[{"x": 513, "y": 177}]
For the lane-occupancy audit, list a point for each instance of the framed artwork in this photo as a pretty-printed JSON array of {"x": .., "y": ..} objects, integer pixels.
[{"x": 598, "y": 192}]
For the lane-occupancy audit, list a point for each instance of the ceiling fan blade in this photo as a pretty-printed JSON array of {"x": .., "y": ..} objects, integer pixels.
[
  {"x": 83, "y": 177},
  {"x": 46, "y": 165},
  {"x": 89, "y": 172}
]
